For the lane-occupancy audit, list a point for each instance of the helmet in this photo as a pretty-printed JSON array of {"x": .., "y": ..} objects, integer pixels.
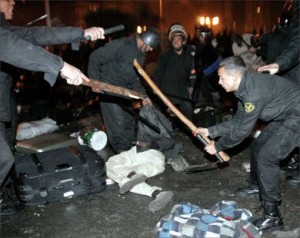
[
  {"x": 202, "y": 29},
  {"x": 151, "y": 37},
  {"x": 177, "y": 30}
]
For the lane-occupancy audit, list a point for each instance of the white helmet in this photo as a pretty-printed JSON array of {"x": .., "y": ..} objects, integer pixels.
[{"x": 177, "y": 30}]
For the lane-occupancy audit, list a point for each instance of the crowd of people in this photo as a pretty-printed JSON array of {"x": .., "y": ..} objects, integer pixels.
[{"x": 263, "y": 76}]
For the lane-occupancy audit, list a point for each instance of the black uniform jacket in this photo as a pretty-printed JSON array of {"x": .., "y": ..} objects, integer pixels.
[
  {"x": 260, "y": 96},
  {"x": 20, "y": 46},
  {"x": 113, "y": 63},
  {"x": 172, "y": 72},
  {"x": 289, "y": 59}
]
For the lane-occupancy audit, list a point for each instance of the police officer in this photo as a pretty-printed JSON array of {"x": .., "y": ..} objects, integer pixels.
[
  {"x": 173, "y": 70},
  {"x": 113, "y": 64},
  {"x": 207, "y": 59},
  {"x": 272, "y": 99},
  {"x": 274, "y": 42},
  {"x": 18, "y": 48},
  {"x": 288, "y": 62}
]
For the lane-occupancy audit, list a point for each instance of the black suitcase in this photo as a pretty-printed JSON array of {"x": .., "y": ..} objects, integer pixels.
[{"x": 58, "y": 175}]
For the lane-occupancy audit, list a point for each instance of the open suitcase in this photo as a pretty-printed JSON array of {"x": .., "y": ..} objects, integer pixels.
[
  {"x": 59, "y": 174},
  {"x": 44, "y": 143}
]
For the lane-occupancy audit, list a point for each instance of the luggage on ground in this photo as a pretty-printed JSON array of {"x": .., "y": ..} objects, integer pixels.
[{"x": 58, "y": 175}]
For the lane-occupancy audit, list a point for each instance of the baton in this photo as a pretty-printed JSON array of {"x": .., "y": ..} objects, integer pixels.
[
  {"x": 109, "y": 31},
  {"x": 36, "y": 20}
]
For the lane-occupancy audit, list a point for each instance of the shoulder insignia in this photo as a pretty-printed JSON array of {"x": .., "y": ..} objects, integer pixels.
[{"x": 249, "y": 107}]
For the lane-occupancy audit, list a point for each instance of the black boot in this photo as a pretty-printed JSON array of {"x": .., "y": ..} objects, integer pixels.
[
  {"x": 7, "y": 207},
  {"x": 271, "y": 219},
  {"x": 249, "y": 190}
]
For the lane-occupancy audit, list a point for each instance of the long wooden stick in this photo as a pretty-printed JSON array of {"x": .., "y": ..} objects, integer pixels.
[
  {"x": 99, "y": 87},
  {"x": 220, "y": 155}
]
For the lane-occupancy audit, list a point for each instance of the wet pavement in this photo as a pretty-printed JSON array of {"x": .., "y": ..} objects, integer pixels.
[{"x": 110, "y": 215}]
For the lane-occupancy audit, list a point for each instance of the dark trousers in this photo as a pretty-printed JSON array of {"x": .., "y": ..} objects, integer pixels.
[
  {"x": 8, "y": 125},
  {"x": 120, "y": 126},
  {"x": 274, "y": 144},
  {"x": 7, "y": 158},
  {"x": 184, "y": 106}
]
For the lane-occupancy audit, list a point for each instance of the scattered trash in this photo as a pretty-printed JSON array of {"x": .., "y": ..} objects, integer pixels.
[
  {"x": 28, "y": 130},
  {"x": 92, "y": 137}
]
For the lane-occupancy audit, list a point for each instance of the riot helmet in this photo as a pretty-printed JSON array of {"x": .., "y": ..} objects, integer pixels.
[
  {"x": 177, "y": 30},
  {"x": 204, "y": 31},
  {"x": 151, "y": 37}
]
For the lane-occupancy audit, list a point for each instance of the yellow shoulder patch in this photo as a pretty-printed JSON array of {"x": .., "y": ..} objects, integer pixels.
[{"x": 249, "y": 107}]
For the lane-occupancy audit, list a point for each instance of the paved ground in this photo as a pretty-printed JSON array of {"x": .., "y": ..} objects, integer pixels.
[{"x": 110, "y": 215}]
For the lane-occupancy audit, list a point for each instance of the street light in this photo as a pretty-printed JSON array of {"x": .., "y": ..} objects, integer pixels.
[
  {"x": 139, "y": 29},
  {"x": 207, "y": 21},
  {"x": 215, "y": 21},
  {"x": 202, "y": 20}
]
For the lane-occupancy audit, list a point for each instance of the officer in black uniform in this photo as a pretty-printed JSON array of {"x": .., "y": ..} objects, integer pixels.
[
  {"x": 20, "y": 47},
  {"x": 207, "y": 59},
  {"x": 272, "y": 99},
  {"x": 113, "y": 64},
  {"x": 272, "y": 45},
  {"x": 274, "y": 42},
  {"x": 288, "y": 62}
]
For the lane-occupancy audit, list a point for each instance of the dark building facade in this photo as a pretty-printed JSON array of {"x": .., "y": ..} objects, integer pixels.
[{"x": 240, "y": 16}]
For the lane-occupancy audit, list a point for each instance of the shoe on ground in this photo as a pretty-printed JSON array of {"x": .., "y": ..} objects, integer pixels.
[
  {"x": 134, "y": 180},
  {"x": 161, "y": 200},
  {"x": 270, "y": 220},
  {"x": 178, "y": 163},
  {"x": 268, "y": 224},
  {"x": 251, "y": 190}
]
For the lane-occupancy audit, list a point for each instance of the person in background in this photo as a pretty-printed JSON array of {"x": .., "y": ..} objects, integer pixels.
[
  {"x": 269, "y": 98},
  {"x": 173, "y": 70},
  {"x": 287, "y": 63},
  {"x": 207, "y": 59},
  {"x": 113, "y": 64},
  {"x": 242, "y": 47},
  {"x": 274, "y": 42},
  {"x": 20, "y": 47}
]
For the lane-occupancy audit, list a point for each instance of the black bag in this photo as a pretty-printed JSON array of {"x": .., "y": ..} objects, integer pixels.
[
  {"x": 205, "y": 118},
  {"x": 58, "y": 175}
]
